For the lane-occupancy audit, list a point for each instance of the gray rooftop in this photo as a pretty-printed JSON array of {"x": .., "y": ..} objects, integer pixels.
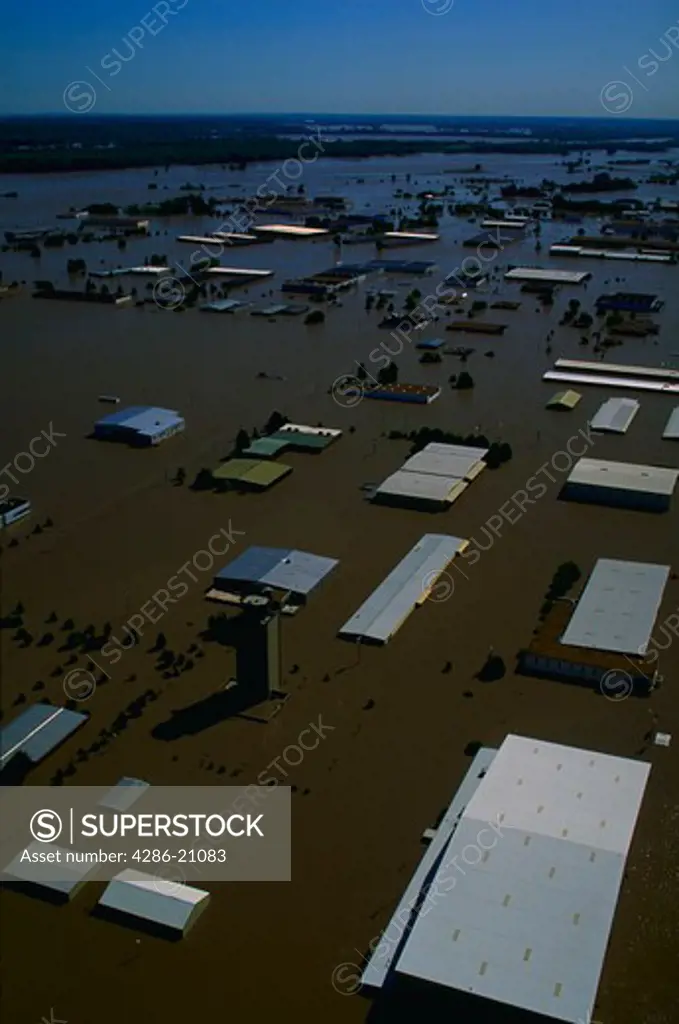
[
  {"x": 615, "y": 415},
  {"x": 623, "y": 476},
  {"x": 618, "y": 607},
  {"x": 37, "y": 731},
  {"x": 297, "y": 572},
  {"x": 124, "y": 794},
  {"x": 524, "y": 919},
  {"x": 40, "y": 875},
  {"x": 407, "y": 585},
  {"x": 168, "y": 904}
]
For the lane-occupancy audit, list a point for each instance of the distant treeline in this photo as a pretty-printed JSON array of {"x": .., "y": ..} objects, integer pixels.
[{"x": 239, "y": 151}]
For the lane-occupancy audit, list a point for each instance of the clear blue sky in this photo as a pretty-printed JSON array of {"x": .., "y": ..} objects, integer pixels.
[{"x": 481, "y": 57}]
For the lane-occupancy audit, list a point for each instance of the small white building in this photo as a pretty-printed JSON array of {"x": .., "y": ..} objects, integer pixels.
[
  {"x": 155, "y": 904},
  {"x": 615, "y": 415}
]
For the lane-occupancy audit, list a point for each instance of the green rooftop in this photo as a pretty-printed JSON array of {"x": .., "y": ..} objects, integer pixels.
[
  {"x": 266, "y": 447},
  {"x": 251, "y": 472},
  {"x": 564, "y": 400},
  {"x": 310, "y": 442}
]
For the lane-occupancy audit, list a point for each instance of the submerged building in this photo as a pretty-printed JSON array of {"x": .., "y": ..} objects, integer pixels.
[
  {"x": 153, "y": 904},
  {"x": 37, "y": 731},
  {"x": 13, "y": 509},
  {"x": 139, "y": 425},
  {"x": 432, "y": 479},
  {"x": 509, "y": 913},
  {"x": 621, "y": 484},
  {"x": 406, "y": 587},
  {"x": 605, "y": 641}
]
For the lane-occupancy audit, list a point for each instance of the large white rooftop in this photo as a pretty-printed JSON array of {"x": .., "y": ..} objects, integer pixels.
[
  {"x": 524, "y": 920},
  {"x": 618, "y": 607}
]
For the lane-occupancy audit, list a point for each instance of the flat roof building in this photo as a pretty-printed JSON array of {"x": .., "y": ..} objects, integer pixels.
[
  {"x": 646, "y": 488},
  {"x": 406, "y": 587},
  {"x": 618, "y": 607},
  {"x": 37, "y": 731},
  {"x": 154, "y": 904},
  {"x": 261, "y": 569},
  {"x": 390, "y": 239},
  {"x": 525, "y": 926},
  {"x": 615, "y": 415},
  {"x": 629, "y": 302},
  {"x": 659, "y": 373},
  {"x": 139, "y": 425},
  {"x": 289, "y": 231},
  {"x": 548, "y": 276},
  {"x": 419, "y": 394},
  {"x": 626, "y": 383}
]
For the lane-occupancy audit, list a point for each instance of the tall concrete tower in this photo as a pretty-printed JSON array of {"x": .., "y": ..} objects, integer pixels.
[{"x": 258, "y": 651}]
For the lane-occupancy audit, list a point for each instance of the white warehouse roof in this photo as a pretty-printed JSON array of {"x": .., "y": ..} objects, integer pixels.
[
  {"x": 629, "y": 383},
  {"x": 425, "y": 487},
  {"x": 618, "y": 607},
  {"x": 454, "y": 460},
  {"x": 437, "y": 475},
  {"x": 406, "y": 586},
  {"x": 623, "y": 476},
  {"x": 169, "y": 905},
  {"x": 615, "y": 415},
  {"x": 528, "y": 923}
]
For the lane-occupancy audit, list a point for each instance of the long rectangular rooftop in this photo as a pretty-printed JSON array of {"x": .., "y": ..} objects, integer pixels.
[
  {"x": 407, "y": 586},
  {"x": 551, "y": 276}
]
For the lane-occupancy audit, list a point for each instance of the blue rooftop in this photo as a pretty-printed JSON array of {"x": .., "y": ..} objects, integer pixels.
[
  {"x": 431, "y": 343},
  {"x": 280, "y": 568},
  {"x": 143, "y": 420}
]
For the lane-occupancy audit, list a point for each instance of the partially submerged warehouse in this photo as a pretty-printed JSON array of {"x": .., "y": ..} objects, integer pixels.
[
  {"x": 523, "y": 926},
  {"x": 139, "y": 425},
  {"x": 406, "y": 587},
  {"x": 433, "y": 478},
  {"x": 614, "y": 617},
  {"x": 621, "y": 484}
]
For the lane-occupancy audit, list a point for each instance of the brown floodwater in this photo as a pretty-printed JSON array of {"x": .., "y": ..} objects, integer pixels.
[{"x": 382, "y": 774}]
